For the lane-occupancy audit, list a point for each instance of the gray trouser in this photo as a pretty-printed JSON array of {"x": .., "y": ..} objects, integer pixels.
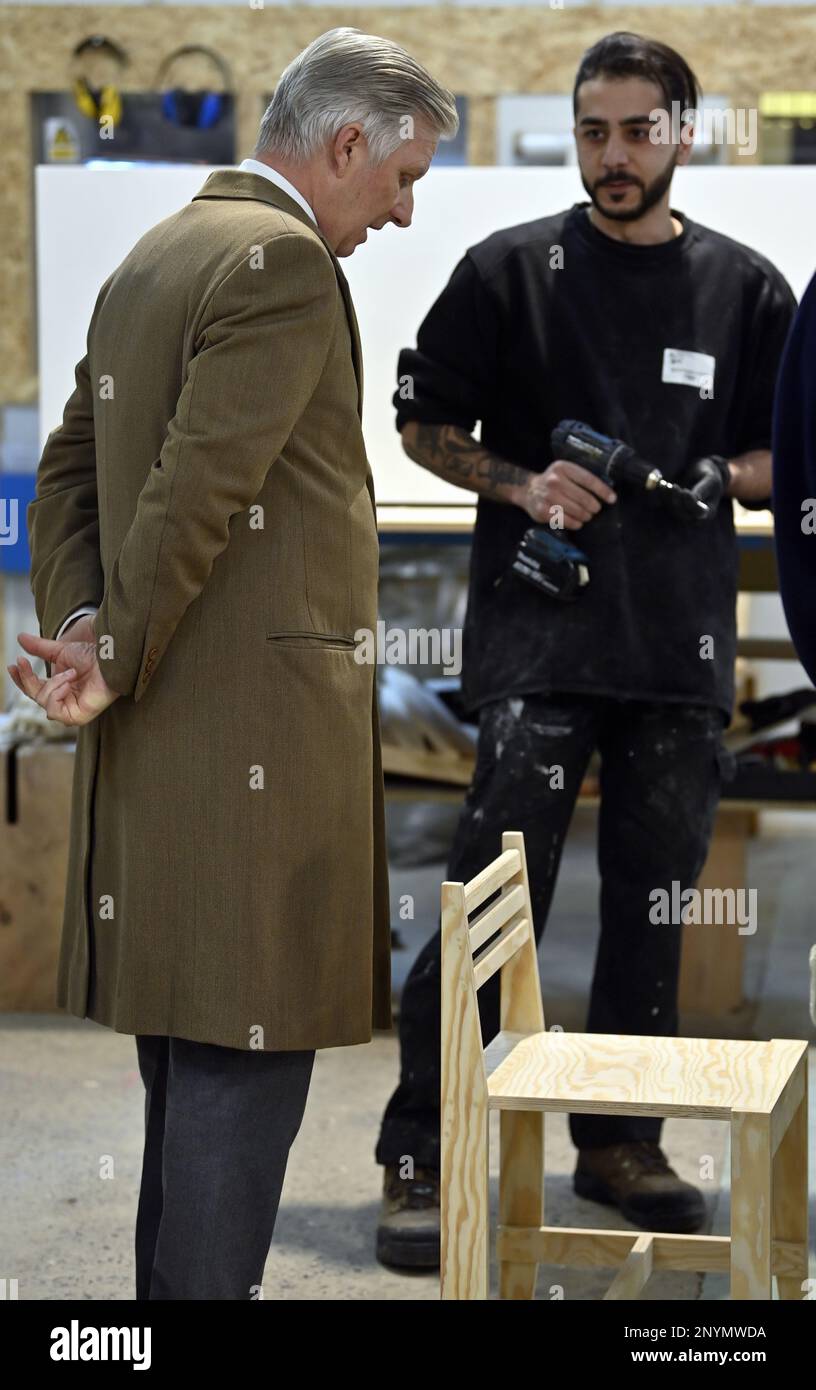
[{"x": 219, "y": 1123}]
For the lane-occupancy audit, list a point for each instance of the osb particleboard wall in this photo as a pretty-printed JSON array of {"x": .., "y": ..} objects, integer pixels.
[{"x": 738, "y": 51}]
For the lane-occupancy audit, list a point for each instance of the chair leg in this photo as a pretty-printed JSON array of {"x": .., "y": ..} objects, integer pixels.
[
  {"x": 750, "y": 1205},
  {"x": 521, "y": 1191},
  {"x": 790, "y": 1197},
  {"x": 464, "y": 1210}
]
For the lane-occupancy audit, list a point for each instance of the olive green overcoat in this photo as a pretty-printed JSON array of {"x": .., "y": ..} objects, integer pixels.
[{"x": 209, "y": 491}]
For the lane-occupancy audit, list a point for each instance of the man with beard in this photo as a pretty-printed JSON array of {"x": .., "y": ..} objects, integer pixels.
[{"x": 624, "y": 314}]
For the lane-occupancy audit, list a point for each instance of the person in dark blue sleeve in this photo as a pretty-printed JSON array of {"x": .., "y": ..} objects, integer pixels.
[
  {"x": 651, "y": 328},
  {"x": 794, "y": 480}
]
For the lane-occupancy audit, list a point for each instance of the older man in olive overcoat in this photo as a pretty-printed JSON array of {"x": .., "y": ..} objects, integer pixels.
[{"x": 208, "y": 503}]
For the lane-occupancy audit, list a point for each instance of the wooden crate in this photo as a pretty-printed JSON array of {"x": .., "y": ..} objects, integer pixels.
[{"x": 36, "y": 809}]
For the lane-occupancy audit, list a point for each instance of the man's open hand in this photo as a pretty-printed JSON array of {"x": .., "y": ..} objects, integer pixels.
[{"x": 75, "y": 693}]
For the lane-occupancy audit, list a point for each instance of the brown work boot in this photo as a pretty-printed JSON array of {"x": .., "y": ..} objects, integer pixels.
[
  {"x": 408, "y": 1232},
  {"x": 636, "y": 1177}
]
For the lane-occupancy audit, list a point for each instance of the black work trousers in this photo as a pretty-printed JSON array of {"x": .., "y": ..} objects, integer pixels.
[{"x": 660, "y": 785}]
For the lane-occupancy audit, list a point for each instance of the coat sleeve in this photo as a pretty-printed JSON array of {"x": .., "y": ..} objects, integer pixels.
[
  {"x": 794, "y": 480},
  {"x": 63, "y": 518},
  {"x": 72, "y": 617},
  {"x": 261, "y": 350}
]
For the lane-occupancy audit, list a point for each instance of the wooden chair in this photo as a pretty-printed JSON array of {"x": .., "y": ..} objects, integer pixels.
[{"x": 759, "y": 1087}]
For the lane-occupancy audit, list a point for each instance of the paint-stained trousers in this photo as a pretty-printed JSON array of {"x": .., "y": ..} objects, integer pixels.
[{"x": 661, "y": 775}]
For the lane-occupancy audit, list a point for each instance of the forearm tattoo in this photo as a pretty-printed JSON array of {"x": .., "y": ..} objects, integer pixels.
[{"x": 455, "y": 455}]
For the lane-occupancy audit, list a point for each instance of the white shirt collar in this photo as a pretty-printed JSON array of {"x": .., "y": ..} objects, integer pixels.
[{"x": 256, "y": 166}]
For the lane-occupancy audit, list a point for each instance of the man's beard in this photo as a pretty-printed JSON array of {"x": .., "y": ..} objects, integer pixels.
[{"x": 649, "y": 194}]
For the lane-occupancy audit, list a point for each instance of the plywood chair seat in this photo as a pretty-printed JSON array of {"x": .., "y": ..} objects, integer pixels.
[
  {"x": 628, "y": 1074},
  {"x": 760, "y": 1088}
]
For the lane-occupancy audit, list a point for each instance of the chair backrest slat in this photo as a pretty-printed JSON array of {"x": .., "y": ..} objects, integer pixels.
[
  {"x": 505, "y": 930},
  {"x": 492, "y": 878},
  {"x": 495, "y": 916},
  {"x": 503, "y": 950}
]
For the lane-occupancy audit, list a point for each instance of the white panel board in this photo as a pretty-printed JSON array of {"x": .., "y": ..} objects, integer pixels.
[{"x": 88, "y": 218}]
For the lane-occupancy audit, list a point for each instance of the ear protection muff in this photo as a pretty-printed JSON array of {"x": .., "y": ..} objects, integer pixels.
[
  {"x": 98, "y": 103},
  {"x": 104, "y": 102},
  {"x": 201, "y": 110}
]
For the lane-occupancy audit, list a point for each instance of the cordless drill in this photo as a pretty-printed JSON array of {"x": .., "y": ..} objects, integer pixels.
[
  {"x": 560, "y": 570},
  {"x": 616, "y": 463}
]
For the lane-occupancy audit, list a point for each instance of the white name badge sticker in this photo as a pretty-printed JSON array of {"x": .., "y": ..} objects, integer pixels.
[{"x": 688, "y": 368}]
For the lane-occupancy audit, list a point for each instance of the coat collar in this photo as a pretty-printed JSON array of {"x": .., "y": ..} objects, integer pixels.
[{"x": 239, "y": 183}]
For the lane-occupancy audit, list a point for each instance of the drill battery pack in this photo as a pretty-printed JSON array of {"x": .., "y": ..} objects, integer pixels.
[{"x": 552, "y": 566}]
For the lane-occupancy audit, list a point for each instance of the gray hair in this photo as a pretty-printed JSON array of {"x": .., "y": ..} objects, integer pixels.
[{"x": 345, "y": 76}]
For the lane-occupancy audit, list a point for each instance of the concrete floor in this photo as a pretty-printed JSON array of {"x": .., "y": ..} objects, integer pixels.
[{"x": 70, "y": 1142}]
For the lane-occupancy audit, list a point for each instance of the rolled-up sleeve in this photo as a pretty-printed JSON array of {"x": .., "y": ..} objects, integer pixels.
[{"x": 449, "y": 376}]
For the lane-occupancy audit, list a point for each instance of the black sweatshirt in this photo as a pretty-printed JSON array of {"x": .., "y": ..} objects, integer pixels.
[{"x": 554, "y": 320}]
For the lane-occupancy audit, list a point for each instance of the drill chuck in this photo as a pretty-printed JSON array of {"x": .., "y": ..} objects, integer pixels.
[{"x": 618, "y": 463}]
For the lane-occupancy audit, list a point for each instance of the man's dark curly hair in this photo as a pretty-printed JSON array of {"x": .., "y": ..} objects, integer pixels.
[{"x": 631, "y": 55}]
